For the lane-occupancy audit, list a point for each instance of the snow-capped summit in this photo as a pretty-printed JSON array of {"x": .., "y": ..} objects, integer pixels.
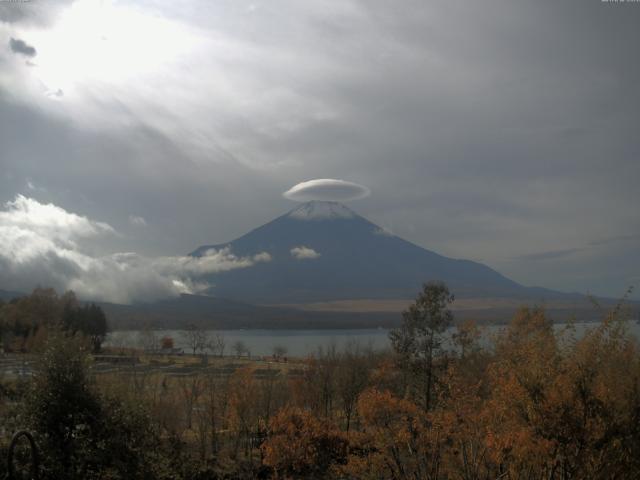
[{"x": 321, "y": 210}]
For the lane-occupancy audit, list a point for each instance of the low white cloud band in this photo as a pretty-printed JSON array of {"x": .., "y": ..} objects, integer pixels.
[
  {"x": 304, "y": 253},
  {"x": 41, "y": 244}
]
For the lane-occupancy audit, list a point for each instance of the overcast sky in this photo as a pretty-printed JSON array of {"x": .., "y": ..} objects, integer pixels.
[{"x": 505, "y": 132}]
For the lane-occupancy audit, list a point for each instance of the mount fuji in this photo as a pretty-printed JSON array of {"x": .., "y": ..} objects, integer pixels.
[{"x": 324, "y": 251}]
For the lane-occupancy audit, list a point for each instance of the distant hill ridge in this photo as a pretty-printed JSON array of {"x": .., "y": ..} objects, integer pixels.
[{"x": 7, "y": 295}]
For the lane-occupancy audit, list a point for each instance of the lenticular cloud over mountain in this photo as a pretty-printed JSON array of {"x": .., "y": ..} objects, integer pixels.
[{"x": 326, "y": 189}]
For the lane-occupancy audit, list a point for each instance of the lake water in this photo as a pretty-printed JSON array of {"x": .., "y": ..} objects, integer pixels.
[{"x": 300, "y": 343}]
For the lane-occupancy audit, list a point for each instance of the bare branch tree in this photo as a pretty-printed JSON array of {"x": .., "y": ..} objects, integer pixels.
[
  {"x": 195, "y": 337},
  {"x": 240, "y": 348},
  {"x": 279, "y": 351},
  {"x": 217, "y": 344}
]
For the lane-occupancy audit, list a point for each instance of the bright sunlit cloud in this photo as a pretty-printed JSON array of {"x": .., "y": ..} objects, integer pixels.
[{"x": 106, "y": 42}]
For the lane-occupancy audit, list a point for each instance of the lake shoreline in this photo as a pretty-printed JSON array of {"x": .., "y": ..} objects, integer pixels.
[{"x": 302, "y": 342}]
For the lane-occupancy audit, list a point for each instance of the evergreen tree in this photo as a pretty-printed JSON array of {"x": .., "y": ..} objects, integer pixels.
[
  {"x": 418, "y": 341},
  {"x": 82, "y": 433}
]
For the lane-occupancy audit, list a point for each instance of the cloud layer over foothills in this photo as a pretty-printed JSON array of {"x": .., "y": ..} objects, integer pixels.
[
  {"x": 504, "y": 132},
  {"x": 47, "y": 243}
]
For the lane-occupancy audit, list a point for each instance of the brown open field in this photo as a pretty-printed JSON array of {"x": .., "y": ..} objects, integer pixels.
[
  {"x": 482, "y": 310},
  {"x": 381, "y": 305}
]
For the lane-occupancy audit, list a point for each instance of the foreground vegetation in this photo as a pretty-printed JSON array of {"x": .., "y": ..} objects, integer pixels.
[{"x": 532, "y": 405}]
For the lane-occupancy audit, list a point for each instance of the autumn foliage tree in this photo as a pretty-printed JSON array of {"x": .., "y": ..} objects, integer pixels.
[
  {"x": 535, "y": 401},
  {"x": 398, "y": 440},
  {"x": 300, "y": 445},
  {"x": 25, "y": 321},
  {"x": 166, "y": 343},
  {"x": 244, "y": 417},
  {"x": 565, "y": 411}
]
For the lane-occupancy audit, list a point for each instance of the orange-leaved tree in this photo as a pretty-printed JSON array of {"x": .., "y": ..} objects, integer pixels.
[
  {"x": 300, "y": 445},
  {"x": 398, "y": 440},
  {"x": 567, "y": 410}
]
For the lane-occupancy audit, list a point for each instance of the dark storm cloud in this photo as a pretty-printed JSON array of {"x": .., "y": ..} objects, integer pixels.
[
  {"x": 36, "y": 13},
  {"x": 20, "y": 46},
  {"x": 486, "y": 130}
]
